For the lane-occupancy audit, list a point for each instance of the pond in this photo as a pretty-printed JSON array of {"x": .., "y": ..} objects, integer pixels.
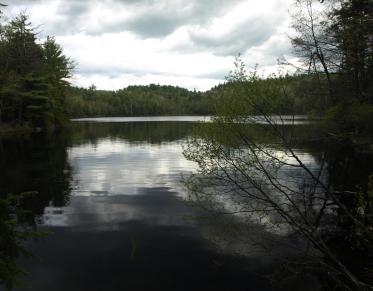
[{"x": 111, "y": 196}]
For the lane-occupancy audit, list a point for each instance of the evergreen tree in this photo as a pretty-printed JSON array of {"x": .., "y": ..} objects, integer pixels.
[
  {"x": 352, "y": 31},
  {"x": 57, "y": 71},
  {"x": 33, "y": 77}
]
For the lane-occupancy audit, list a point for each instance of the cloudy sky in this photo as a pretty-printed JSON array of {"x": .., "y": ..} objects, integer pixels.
[{"x": 189, "y": 43}]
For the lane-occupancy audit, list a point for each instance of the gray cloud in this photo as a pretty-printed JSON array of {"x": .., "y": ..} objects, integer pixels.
[
  {"x": 154, "y": 25},
  {"x": 217, "y": 74},
  {"x": 164, "y": 17},
  {"x": 251, "y": 33},
  {"x": 149, "y": 18},
  {"x": 238, "y": 39},
  {"x": 73, "y": 9}
]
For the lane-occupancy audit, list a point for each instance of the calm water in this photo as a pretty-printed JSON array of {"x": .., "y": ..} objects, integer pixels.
[{"x": 110, "y": 193}]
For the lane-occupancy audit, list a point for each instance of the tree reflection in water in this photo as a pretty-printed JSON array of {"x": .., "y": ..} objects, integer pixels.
[{"x": 36, "y": 163}]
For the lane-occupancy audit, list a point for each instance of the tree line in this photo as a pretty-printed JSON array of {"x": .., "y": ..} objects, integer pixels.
[
  {"x": 137, "y": 101},
  {"x": 155, "y": 99}
]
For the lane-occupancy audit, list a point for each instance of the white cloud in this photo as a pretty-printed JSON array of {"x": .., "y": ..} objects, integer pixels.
[{"x": 192, "y": 43}]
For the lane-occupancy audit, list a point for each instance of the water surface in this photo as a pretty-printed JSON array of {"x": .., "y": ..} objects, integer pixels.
[{"x": 110, "y": 193}]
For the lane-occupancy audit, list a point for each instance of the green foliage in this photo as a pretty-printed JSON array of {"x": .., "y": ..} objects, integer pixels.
[
  {"x": 169, "y": 100},
  {"x": 351, "y": 28},
  {"x": 353, "y": 120},
  {"x": 251, "y": 94},
  {"x": 136, "y": 101},
  {"x": 33, "y": 77}
]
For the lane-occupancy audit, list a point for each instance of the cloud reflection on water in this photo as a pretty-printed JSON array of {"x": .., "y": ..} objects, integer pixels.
[
  {"x": 118, "y": 167},
  {"x": 117, "y": 181}
]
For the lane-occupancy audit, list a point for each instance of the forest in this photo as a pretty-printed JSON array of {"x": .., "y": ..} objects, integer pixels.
[
  {"x": 137, "y": 101},
  {"x": 157, "y": 100}
]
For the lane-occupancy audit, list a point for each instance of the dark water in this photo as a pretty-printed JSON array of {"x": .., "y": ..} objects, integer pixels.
[{"x": 111, "y": 196}]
